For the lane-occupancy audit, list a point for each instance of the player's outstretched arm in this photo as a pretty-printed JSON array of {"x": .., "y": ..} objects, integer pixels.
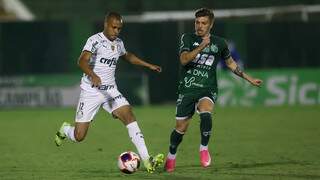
[
  {"x": 83, "y": 63},
  {"x": 232, "y": 65},
  {"x": 133, "y": 59}
]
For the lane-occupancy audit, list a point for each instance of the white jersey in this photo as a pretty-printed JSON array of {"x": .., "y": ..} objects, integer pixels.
[{"x": 104, "y": 58}]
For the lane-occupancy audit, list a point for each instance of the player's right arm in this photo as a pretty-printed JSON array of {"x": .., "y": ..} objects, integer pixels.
[
  {"x": 187, "y": 56},
  {"x": 83, "y": 63}
]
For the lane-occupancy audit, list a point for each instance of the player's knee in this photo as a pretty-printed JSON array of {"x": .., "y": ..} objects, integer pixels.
[
  {"x": 205, "y": 109},
  {"x": 205, "y": 106},
  {"x": 182, "y": 128},
  {"x": 126, "y": 117}
]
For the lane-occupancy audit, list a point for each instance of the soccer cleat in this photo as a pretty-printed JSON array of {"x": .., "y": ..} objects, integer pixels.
[
  {"x": 153, "y": 162},
  {"x": 148, "y": 165},
  {"x": 205, "y": 158},
  {"x": 60, "y": 135},
  {"x": 170, "y": 165},
  {"x": 158, "y": 160}
]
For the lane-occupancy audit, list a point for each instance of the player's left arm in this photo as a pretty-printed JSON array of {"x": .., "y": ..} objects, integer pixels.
[
  {"x": 232, "y": 65},
  {"x": 133, "y": 59}
]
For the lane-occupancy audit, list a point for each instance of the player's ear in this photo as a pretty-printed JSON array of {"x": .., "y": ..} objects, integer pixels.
[
  {"x": 212, "y": 22},
  {"x": 105, "y": 24}
]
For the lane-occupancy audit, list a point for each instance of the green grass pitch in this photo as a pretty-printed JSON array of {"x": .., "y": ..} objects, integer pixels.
[{"x": 248, "y": 143}]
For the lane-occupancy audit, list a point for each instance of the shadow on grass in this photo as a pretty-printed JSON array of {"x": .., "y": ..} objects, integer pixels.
[
  {"x": 231, "y": 169},
  {"x": 281, "y": 175},
  {"x": 235, "y": 166},
  {"x": 141, "y": 174},
  {"x": 195, "y": 171},
  {"x": 232, "y": 165}
]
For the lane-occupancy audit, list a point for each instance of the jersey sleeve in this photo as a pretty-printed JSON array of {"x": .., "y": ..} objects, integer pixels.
[
  {"x": 91, "y": 45},
  {"x": 185, "y": 43},
  {"x": 225, "y": 53},
  {"x": 122, "y": 50}
]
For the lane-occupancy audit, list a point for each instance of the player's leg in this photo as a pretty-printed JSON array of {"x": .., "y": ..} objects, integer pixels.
[
  {"x": 125, "y": 114},
  {"x": 88, "y": 106},
  {"x": 121, "y": 109},
  {"x": 205, "y": 107},
  {"x": 176, "y": 137},
  {"x": 79, "y": 131},
  {"x": 184, "y": 111},
  {"x": 74, "y": 133}
]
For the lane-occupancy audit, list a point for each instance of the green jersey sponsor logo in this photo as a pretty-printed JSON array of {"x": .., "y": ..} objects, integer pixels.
[
  {"x": 188, "y": 81},
  {"x": 198, "y": 72},
  {"x": 214, "y": 48}
]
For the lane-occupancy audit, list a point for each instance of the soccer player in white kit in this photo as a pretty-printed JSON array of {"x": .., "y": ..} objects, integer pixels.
[{"x": 98, "y": 61}]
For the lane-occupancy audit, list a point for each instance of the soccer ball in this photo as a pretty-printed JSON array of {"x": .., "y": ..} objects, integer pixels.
[{"x": 128, "y": 162}]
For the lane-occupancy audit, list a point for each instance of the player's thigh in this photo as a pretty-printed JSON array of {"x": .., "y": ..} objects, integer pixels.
[
  {"x": 205, "y": 104},
  {"x": 117, "y": 105},
  {"x": 185, "y": 107},
  {"x": 88, "y": 106}
]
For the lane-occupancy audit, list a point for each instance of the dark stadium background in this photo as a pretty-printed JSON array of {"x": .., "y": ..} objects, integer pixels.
[{"x": 270, "y": 132}]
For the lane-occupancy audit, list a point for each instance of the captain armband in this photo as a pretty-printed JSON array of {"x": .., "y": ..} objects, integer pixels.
[{"x": 238, "y": 71}]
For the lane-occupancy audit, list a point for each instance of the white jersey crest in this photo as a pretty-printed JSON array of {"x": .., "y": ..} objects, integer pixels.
[{"x": 105, "y": 55}]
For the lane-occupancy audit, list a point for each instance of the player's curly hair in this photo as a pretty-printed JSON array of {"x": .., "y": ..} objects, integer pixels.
[
  {"x": 204, "y": 12},
  {"x": 111, "y": 15}
]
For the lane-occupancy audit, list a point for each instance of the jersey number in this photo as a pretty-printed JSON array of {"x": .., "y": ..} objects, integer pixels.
[{"x": 204, "y": 59}]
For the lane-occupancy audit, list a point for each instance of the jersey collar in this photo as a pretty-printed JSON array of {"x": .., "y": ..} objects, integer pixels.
[{"x": 105, "y": 38}]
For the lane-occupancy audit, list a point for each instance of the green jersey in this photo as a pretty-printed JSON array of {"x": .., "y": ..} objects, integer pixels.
[{"x": 200, "y": 74}]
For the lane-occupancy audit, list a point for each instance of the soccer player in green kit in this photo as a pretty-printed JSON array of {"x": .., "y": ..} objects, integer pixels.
[{"x": 199, "y": 56}]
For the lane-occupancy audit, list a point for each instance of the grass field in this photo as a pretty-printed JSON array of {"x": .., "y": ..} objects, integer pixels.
[{"x": 248, "y": 143}]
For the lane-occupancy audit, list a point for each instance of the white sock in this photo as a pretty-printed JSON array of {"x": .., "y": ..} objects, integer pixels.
[
  {"x": 171, "y": 156},
  {"x": 137, "y": 138},
  {"x": 69, "y": 132},
  {"x": 202, "y": 147}
]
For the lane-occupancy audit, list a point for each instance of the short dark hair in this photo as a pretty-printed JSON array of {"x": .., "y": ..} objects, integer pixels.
[
  {"x": 115, "y": 15},
  {"x": 204, "y": 12}
]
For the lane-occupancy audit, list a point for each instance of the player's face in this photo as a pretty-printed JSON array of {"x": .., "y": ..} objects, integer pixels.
[
  {"x": 202, "y": 25},
  {"x": 112, "y": 28}
]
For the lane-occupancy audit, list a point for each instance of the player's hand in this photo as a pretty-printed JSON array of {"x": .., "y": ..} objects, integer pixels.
[
  {"x": 205, "y": 41},
  {"x": 95, "y": 80},
  {"x": 155, "y": 68},
  {"x": 256, "y": 82}
]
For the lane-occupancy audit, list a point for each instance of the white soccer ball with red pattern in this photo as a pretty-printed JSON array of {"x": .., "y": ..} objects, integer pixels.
[{"x": 128, "y": 162}]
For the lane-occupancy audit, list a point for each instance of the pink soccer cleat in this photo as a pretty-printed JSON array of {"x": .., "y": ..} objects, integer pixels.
[
  {"x": 170, "y": 165},
  {"x": 205, "y": 158}
]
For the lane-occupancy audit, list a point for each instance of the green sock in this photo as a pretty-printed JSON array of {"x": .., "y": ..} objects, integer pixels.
[
  {"x": 175, "y": 140},
  {"x": 205, "y": 127}
]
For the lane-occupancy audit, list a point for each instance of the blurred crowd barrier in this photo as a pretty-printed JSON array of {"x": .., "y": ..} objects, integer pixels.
[{"x": 281, "y": 87}]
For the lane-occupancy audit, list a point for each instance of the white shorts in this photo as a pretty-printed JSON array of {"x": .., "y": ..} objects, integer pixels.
[{"x": 90, "y": 101}]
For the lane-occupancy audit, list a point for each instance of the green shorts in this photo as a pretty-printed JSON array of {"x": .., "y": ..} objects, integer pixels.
[{"x": 186, "y": 103}]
